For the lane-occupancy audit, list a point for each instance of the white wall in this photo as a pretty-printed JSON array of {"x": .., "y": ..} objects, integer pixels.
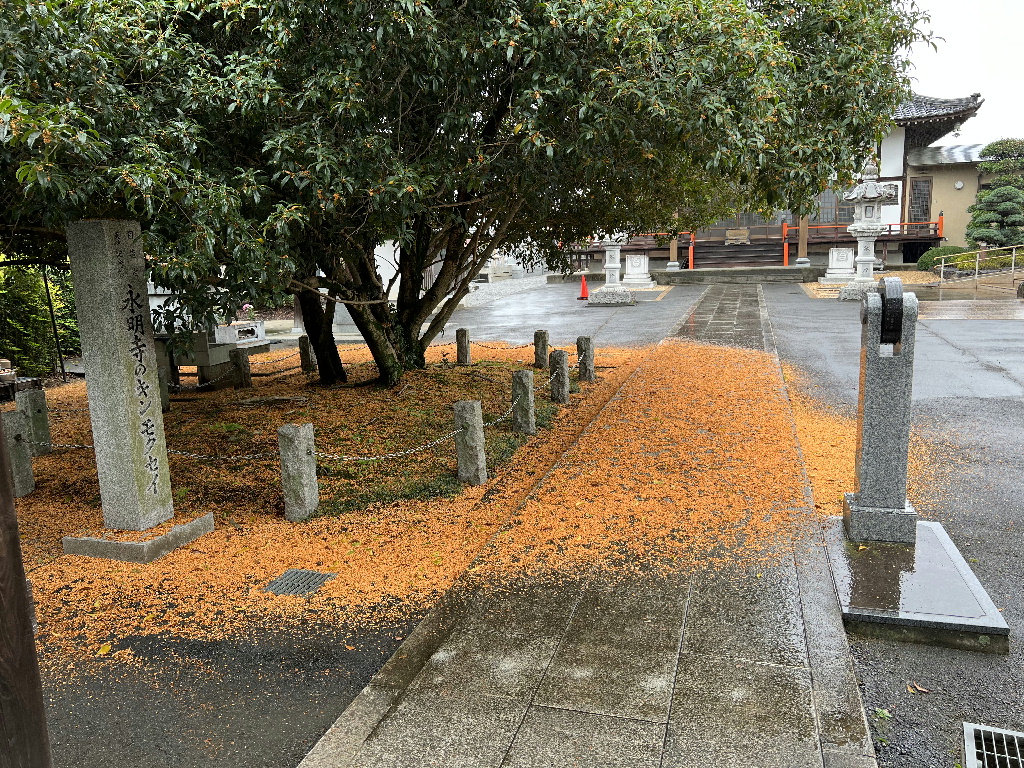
[{"x": 891, "y": 160}]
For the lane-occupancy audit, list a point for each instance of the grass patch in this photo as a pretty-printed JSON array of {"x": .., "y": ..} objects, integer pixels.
[{"x": 416, "y": 489}]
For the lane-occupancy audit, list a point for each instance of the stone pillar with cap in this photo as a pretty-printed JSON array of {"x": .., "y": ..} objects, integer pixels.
[
  {"x": 878, "y": 509},
  {"x": 867, "y": 197},
  {"x": 612, "y": 293}
]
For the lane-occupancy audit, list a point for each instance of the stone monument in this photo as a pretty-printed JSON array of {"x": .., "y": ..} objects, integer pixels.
[
  {"x": 637, "y": 274},
  {"x": 841, "y": 267},
  {"x": 612, "y": 293},
  {"x": 868, "y": 198},
  {"x": 109, "y": 273},
  {"x": 878, "y": 509}
]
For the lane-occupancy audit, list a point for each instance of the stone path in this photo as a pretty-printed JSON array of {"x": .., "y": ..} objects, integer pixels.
[
  {"x": 742, "y": 666},
  {"x": 733, "y": 315}
]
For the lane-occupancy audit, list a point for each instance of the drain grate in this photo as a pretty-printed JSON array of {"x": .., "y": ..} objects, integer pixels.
[
  {"x": 295, "y": 581},
  {"x": 986, "y": 747}
]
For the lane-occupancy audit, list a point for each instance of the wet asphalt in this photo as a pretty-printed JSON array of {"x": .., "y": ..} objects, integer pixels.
[{"x": 968, "y": 389}]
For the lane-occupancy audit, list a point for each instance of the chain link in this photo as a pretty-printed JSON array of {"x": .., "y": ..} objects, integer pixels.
[
  {"x": 204, "y": 457},
  {"x": 68, "y": 410},
  {"x": 513, "y": 346},
  {"x": 503, "y": 416},
  {"x": 397, "y": 455},
  {"x": 61, "y": 445},
  {"x": 195, "y": 387},
  {"x": 271, "y": 362}
]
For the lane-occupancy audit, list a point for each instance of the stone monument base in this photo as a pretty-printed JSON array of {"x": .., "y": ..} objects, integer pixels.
[
  {"x": 638, "y": 285},
  {"x": 611, "y": 296},
  {"x": 140, "y": 551},
  {"x": 837, "y": 280},
  {"x": 877, "y": 524},
  {"x": 855, "y": 291},
  {"x": 918, "y": 594}
]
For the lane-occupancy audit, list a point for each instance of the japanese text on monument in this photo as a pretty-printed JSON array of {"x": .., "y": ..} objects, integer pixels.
[{"x": 134, "y": 305}]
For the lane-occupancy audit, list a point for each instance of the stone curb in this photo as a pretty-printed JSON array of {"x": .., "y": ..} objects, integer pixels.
[{"x": 140, "y": 551}]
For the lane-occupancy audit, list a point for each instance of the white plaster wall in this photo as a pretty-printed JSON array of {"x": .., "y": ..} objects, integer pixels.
[{"x": 891, "y": 160}]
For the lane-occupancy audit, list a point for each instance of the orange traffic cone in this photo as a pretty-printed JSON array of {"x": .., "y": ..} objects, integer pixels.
[{"x": 584, "y": 294}]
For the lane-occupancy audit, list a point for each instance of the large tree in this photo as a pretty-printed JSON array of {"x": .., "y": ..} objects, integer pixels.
[{"x": 273, "y": 146}]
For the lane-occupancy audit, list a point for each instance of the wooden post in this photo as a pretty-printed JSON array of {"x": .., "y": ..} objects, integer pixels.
[
  {"x": 24, "y": 740},
  {"x": 801, "y": 248},
  {"x": 693, "y": 239},
  {"x": 785, "y": 243}
]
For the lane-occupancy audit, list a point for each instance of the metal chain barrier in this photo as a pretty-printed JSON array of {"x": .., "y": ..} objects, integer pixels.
[
  {"x": 397, "y": 455},
  {"x": 271, "y": 362}
]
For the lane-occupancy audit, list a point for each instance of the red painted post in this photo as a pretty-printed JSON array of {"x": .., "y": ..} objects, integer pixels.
[
  {"x": 693, "y": 239},
  {"x": 24, "y": 740},
  {"x": 785, "y": 243},
  {"x": 942, "y": 220}
]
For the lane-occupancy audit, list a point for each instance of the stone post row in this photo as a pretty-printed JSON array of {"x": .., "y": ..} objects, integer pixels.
[
  {"x": 19, "y": 452},
  {"x": 463, "y": 354},
  {"x": 469, "y": 442},
  {"x": 32, "y": 403},
  {"x": 585, "y": 358},
  {"x": 307, "y": 358},
  {"x": 540, "y": 349},
  {"x": 559, "y": 363},
  {"x": 524, "y": 417},
  {"x": 295, "y": 442}
]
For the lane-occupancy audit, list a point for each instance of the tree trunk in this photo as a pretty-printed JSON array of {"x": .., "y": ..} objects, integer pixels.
[
  {"x": 395, "y": 347},
  {"x": 319, "y": 329}
]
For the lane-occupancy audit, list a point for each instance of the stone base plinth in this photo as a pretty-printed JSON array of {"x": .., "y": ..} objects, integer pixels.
[
  {"x": 914, "y": 594},
  {"x": 140, "y": 551},
  {"x": 611, "y": 296},
  {"x": 638, "y": 285},
  {"x": 877, "y": 524},
  {"x": 855, "y": 291},
  {"x": 836, "y": 279}
]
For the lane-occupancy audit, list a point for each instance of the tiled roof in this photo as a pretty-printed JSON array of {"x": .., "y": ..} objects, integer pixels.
[
  {"x": 921, "y": 109},
  {"x": 959, "y": 153}
]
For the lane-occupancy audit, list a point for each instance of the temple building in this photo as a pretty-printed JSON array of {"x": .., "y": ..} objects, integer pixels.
[{"x": 935, "y": 186}]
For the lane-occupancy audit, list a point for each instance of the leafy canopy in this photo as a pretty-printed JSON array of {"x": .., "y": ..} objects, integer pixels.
[{"x": 272, "y": 146}]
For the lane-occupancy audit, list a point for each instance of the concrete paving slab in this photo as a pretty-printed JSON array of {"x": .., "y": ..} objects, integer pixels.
[
  {"x": 640, "y": 627},
  {"x": 751, "y": 614},
  {"x": 729, "y": 713},
  {"x": 422, "y": 732},
  {"x": 558, "y": 738}
]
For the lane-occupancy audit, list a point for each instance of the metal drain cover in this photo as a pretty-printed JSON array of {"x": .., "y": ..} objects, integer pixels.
[
  {"x": 986, "y": 747},
  {"x": 295, "y": 581}
]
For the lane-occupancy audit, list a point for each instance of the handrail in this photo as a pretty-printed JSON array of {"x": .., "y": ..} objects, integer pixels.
[{"x": 997, "y": 253}]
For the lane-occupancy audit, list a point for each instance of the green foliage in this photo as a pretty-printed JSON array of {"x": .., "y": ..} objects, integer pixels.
[
  {"x": 927, "y": 260},
  {"x": 997, "y": 218},
  {"x": 26, "y": 333},
  {"x": 262, "y": 144}
]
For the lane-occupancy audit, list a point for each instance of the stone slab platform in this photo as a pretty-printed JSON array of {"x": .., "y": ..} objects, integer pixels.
[
  {"x": 922, "y": 594},
  {"x": 140, "y": 551}
]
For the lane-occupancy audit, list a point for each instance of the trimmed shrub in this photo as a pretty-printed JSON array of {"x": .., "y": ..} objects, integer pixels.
[{"x": 927, "y": 260}]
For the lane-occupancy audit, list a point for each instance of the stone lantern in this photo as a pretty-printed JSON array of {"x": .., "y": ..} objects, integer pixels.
[{"x": 868, "y": 198}]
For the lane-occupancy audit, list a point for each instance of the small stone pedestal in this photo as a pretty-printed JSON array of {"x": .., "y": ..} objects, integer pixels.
[
  {"x": 840, "y": 266},
  {"x": 637, "y": 274}
]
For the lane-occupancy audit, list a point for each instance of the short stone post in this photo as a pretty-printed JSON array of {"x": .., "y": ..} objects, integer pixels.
[
  {"x": 243, "y": 370},
  {"x": 878, "y": 509},
  {"x": 559, "y": 363},
  {"x": 585, "y": 358},
  {"x": 118, "y": 350},
  {"x": 163, "y": 374},
  {"x": 32, "y": 403},
  {"x": 469, "y": 442},
  {"x": 19, "y": 451},
  {"x": 295, "y": 442},
  {"x": 23, "y": 731},
  {"x": 463, "y": 354},
  {"x": 540, "y": 349},
  {"x": 307, "y": 358},
  {"x": 524, "y": 417}
]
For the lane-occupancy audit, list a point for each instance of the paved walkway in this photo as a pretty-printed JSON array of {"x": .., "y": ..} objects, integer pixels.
[{"x": 733, "y": 667}]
